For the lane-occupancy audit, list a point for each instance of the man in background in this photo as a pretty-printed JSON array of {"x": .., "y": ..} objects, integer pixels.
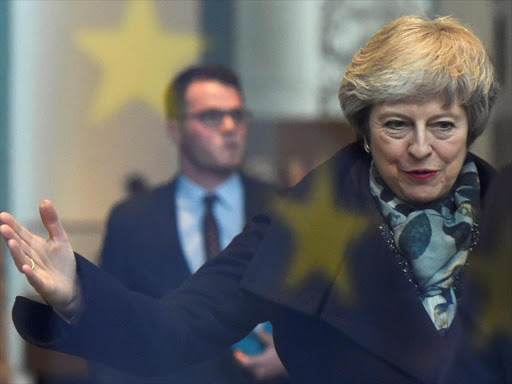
[{"x": 158, "y": 239}]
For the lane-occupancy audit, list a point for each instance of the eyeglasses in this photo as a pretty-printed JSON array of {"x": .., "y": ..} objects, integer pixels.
[{"x": 213, "y": 118}]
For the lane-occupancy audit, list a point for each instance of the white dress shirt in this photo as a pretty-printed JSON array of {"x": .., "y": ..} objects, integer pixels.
[{"x": 190, "y": 209}]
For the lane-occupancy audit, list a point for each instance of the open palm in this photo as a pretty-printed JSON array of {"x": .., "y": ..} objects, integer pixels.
[{"x": 54, "y": 272}]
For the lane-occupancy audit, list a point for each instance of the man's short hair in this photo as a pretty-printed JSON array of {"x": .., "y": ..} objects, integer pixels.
[{"x": 175, "y": 93}]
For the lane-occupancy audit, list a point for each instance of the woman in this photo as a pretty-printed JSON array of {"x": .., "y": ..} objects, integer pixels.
[{"x": 363, "y": 282}]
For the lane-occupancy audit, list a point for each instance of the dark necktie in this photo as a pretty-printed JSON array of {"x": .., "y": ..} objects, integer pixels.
[{"x": 210, "y": 228}]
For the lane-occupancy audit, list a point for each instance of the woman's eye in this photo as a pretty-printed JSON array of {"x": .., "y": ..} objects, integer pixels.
[
  {"x": 445, "y": 125},
  {"x": 395, "y": 124}
]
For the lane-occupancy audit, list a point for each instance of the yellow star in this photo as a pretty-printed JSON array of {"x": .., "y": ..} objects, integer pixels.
[
  {"x": 321, "y": 229},
  {"x": 494, "y": 273},
  {"x": 138, "y": 59}
]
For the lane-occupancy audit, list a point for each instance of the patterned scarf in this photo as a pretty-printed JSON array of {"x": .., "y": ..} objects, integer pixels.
[{"x": 434, "y": 239}]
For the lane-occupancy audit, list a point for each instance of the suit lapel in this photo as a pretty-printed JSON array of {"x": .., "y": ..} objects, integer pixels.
[{"x": 165, "y": 223}]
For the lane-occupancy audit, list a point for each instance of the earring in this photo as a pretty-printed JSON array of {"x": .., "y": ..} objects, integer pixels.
[{"x": 366, "y": 147}]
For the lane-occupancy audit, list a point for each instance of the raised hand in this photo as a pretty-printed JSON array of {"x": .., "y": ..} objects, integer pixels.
[{"x": 49, "y": 264}]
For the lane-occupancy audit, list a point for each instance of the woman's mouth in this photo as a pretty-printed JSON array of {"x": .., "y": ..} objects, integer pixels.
[{"x": 421, "y": 174}]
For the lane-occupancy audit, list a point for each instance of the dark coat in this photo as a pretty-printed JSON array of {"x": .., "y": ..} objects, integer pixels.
[
  {"x": 142, "y": 250},
  {"x": 373, "y": 329}
]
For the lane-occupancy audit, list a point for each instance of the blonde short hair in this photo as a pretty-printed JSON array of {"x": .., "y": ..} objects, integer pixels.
[{"x": 414, "y": 58}]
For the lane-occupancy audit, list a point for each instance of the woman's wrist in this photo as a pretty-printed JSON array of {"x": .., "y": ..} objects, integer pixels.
[{"x": 72, "y": 311}]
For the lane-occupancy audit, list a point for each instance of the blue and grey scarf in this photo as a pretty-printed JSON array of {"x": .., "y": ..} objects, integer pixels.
[{"x": 435, "y": 239}]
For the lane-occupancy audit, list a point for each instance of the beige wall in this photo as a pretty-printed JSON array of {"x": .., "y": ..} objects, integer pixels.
[
  {"x": 78, "y": 162},
  {"x": 57, "y": 150}
]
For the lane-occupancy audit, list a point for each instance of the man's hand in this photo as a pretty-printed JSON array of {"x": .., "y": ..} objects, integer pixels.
[
  {"x": 266, "y": 365},
  {"x": 49, "y": 264}
]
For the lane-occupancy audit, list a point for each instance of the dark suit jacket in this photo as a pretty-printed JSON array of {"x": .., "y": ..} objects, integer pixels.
[
  {"x": 375, "y": 331},
  {"x": 142, "y": 249}
]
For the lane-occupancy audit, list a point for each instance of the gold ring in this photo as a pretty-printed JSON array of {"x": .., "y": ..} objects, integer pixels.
[{"x": 33, "y": 264}]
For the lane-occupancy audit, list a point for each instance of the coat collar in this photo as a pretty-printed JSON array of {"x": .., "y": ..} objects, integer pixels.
[
  {"x": 256, "y": 193},
  {"x": 381, "y": 310}
]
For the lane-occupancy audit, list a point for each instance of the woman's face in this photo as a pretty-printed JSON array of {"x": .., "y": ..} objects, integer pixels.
[{"x": 418, "y": 148}]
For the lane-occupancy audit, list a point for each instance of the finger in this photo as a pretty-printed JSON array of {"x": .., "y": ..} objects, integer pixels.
[
  {"x": 251, "y": 362},
  {"x": 19, "y": 229},
  {"x": 240, "y": 356},
  {"x": 51, "y": 220},
  {"x": 255, "y": 366},
  {"x": 265, "y": 337},
  {"x": 19, "y": 257},
  {"x": 35, "y": 279},
  {"x": 265, "y": 365},
  {"x": 6, "y": 218},
  {"x": 9, "y": 234}
]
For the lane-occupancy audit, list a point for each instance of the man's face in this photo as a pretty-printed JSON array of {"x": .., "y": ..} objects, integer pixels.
[{"x": 207, "y": 142}]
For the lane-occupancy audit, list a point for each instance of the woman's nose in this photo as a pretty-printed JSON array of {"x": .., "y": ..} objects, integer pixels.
[{"x": 420, "y": 145}]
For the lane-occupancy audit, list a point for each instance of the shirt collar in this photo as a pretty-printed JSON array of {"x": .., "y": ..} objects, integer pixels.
[{"x": 193, "y": 192}]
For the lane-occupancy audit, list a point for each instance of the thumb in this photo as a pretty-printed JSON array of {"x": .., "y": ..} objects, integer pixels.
[
  {"x": 51, "y": 220},
  {"x": 265, "y": 337}
]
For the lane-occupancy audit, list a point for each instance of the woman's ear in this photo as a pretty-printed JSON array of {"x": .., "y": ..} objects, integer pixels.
[{"x": 366, "y": 145}]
